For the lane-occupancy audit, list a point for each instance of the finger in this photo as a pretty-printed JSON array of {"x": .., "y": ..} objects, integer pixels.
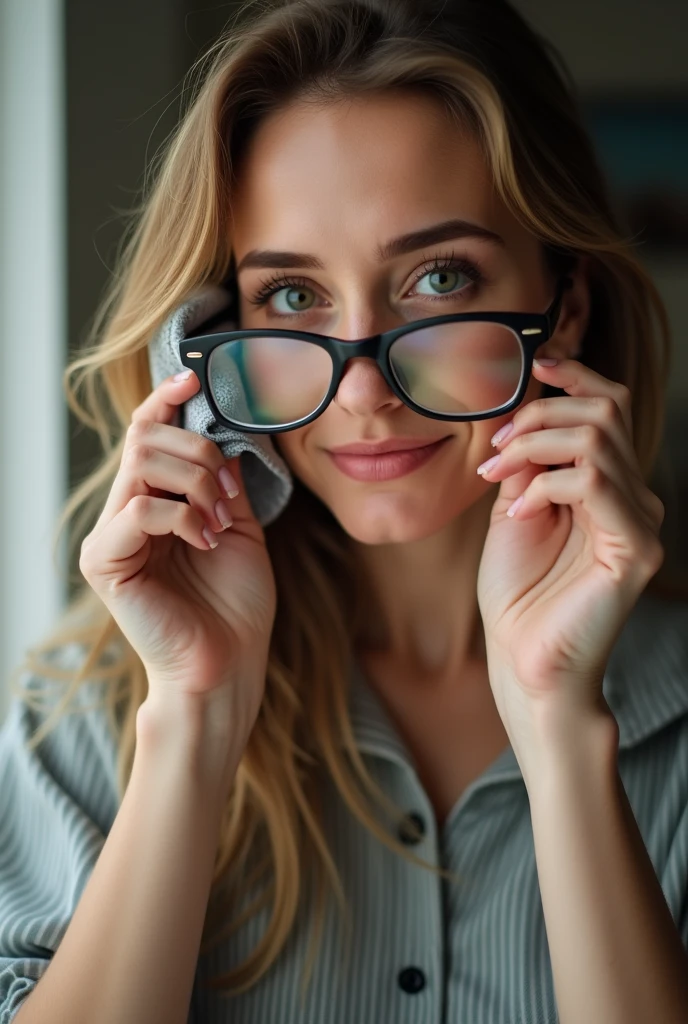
[
  {"x": 144, "y": 468},
  {"x": 618, "y": 536},
  {"x": 162, "y": 406},
  {"x": 119, "y": 554},
  {"x": 581, "y": 445},
  {"x": 579, "y": 380},
  {"x": 163, "y": 402},
  {"x": 184, "y": 444},
  {"x": 600, "y": 411}
]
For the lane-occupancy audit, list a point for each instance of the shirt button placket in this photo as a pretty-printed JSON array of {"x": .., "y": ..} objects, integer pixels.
[
  {"x": 411, "y": 980},
  {"x": 411, "y": 829}
]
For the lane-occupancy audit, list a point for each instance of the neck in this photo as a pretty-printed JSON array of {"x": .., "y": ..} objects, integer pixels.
[{"x": 424, "y": 610}]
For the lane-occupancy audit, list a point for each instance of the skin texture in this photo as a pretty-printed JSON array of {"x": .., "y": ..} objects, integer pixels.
[
  {"x": 554, "y": 583},
  {"x": 336, "y": 182},
  {"x": 554, "y": 578}
]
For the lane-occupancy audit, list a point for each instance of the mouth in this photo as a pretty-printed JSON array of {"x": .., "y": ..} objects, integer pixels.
[
  {"x": 389, "y": 464},
  {"x": 392, "y": 444}
]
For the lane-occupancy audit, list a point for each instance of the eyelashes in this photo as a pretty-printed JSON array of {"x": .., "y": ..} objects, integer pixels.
[{"x": 455, "y": 263}]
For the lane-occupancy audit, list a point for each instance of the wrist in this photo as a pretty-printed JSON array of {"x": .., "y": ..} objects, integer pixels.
[
  {"x": 566, "y": 743},
  {"x": 181, "y": 729}
]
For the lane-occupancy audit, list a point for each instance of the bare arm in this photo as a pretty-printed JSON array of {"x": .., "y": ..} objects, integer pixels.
[
  {"x": 617, "y": 956},
  {"x": 130, "y": 952}
]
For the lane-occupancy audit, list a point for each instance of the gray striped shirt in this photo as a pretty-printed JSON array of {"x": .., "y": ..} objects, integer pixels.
[{"x": 424, "y": 949}]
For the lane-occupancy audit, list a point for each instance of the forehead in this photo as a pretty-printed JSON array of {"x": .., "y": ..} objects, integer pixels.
[{"x": 360, "y": 168}]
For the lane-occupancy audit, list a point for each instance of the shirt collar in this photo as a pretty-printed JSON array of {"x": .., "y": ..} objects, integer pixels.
[{"x": 645, "y": 685}]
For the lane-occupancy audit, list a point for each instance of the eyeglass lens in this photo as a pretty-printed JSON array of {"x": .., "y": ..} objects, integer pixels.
[{"x": 465, "y": 367}]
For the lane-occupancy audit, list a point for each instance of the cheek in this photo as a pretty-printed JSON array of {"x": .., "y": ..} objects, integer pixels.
[
  {"x": 535, "y": 390},
  {"x": 291, "y": 446}
]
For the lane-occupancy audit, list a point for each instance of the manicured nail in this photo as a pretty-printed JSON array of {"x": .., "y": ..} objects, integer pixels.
[
  {"x": 485, "y": 467},
  {"x": 210, "y": 537},
  {"x": 183, "y": 375},
  {"x": 513, "y": 509},
  {"x": 222, "y": 513},
  {"x": 501, "y": 434},
  {"x": 228, "y": 482},
  {"x": 545, "y": 362}
]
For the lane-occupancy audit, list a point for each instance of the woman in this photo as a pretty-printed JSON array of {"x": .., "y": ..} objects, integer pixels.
[{"x": 421, "y": 693}]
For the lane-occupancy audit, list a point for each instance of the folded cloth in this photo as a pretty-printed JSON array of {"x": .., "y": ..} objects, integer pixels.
[{"x": 267, "y": 479}]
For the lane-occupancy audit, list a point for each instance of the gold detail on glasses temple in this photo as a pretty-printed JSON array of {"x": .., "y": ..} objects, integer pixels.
[
  {"x": 532, "y": 330},
  {"x": 194, "y": 355}
]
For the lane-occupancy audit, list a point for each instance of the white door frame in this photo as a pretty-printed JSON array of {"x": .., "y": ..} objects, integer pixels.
[{"x": 33, "y": 411}]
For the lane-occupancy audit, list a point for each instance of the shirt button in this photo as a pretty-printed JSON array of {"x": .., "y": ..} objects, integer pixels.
[
  {"x": 411, "y": 829},
  {"x": 411, "y": 980}
]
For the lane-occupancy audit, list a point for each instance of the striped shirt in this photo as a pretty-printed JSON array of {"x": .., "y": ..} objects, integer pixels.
[{"x": 424, "y": 950}]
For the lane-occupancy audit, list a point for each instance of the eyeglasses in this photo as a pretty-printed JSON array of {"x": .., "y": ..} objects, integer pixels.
[{"x": 463, "y": 366}]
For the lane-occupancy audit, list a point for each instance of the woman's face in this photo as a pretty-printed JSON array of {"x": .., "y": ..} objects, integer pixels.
[{"x": 335, "y": 184}]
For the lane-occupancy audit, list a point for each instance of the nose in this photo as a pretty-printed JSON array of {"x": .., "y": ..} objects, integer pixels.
[{"x": 363, "y": 390}]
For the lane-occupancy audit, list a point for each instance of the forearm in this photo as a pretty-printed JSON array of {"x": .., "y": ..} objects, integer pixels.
[
  {"x": 617, "y": 956},
  {"x": 130, "y": 952}
]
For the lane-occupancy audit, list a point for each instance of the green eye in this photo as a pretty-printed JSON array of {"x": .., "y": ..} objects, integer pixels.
[
  {"x": 445, "y": 281},
  {"x": 299, "y": 293}
]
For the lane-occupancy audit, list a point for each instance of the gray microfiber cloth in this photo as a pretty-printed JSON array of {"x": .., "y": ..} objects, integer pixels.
[{"x": 268, "y": 481}]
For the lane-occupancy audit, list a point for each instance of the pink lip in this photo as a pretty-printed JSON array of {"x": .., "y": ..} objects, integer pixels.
[
  {"x": 392, "y": 444},
  {"x": 388, "y": 466}
]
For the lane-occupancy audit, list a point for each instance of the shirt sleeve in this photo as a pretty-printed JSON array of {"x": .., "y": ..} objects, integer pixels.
[
  {"x": 674, "y": 797},
  {"x": 680, "y": 863},
  {"x": 57, "y": 804}
]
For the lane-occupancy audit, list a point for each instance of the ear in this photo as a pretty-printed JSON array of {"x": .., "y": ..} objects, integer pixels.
[{"x": 573, "y": 320}]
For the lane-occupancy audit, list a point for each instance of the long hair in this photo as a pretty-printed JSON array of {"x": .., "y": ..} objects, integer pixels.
[{"x": 490, "y": 72}]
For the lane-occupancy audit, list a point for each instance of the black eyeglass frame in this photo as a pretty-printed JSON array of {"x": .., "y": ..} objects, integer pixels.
[{"x": 531, "y": 329}]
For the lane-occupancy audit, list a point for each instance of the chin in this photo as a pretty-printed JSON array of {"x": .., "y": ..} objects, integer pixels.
[{"x": 387, "y": 518}]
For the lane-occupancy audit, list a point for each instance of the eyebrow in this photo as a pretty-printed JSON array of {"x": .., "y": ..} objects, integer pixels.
[{"x": 267, "y": 259}]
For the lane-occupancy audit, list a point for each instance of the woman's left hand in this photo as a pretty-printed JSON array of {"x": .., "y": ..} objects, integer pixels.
[{"x": 560, "y": 576}]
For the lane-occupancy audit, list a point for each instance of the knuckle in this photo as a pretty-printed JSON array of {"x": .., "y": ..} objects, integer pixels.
[
  {"x": 138, "y": 429},
  {"x": 592, "y": 437},
  {"x": 623, "y": 393},
  {"x": 540, "y": 484},
  {"x": 138, "y": 506},
  {"x": 652, "y": 556},
  {"x": 204, "y": 448},
  {"x": 200, "y": 476},
  {"x": 138, "y": 454},
  {"x": 660, "y": 510},
  {"x": 84, "y": 554},
  {"x": 608, "y": 410},
  {"x": 539, "y": 407}
]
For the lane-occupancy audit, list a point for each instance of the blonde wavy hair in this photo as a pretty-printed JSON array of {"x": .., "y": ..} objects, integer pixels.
[{"x": 491, "y": 72}]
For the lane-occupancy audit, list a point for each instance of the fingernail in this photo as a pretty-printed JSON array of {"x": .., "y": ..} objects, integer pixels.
[
  {"x": 513, "y": 509},
  {"x": 485, "y": 467},
  {"x": 210, "y": 537},
  {"x": 183, "y": 375},
  {"x": 501, "y": 434},
  {"x": 228, "y": 482},
  {"x": 222, "y": 513},
  {"x": 545, "y": 362}
]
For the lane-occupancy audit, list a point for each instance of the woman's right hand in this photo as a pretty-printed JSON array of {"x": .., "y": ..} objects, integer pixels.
[{"x": 200, "y": 619}]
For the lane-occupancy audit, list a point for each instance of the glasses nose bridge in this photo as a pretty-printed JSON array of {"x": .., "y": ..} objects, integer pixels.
[{"x": 365, "y": 347}]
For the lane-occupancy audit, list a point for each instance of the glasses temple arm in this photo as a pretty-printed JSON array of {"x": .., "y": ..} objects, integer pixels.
[{"x": 554, "y": 310}]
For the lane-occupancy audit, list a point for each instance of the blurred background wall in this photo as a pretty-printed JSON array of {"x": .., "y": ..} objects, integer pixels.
[{"x": 89, "y": 93}]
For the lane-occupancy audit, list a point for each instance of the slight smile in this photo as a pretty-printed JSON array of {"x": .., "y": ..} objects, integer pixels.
[{"x": 388, "y": 465}]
